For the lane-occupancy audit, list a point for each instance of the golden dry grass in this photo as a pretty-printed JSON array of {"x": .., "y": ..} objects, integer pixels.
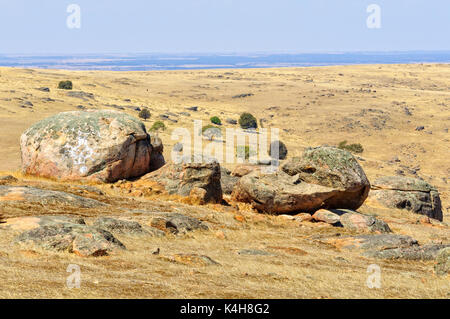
[{"x": 313, "y": 106}]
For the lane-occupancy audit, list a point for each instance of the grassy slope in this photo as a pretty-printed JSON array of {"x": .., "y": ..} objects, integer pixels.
[{"x": 336, "y": 105}]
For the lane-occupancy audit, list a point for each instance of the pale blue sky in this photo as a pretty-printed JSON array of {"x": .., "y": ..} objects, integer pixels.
[{"x": 240, "y": 26}]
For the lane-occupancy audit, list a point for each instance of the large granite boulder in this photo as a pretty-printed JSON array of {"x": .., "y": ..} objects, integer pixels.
[
  {"x": 190, "y": 178},
  {"x": 100, "y": 145},
  {"x": 324, "y": 177},
  {"x": 412, "y": 194}
]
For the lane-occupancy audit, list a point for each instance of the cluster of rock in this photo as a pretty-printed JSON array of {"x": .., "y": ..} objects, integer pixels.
[{"x": 71, "y": 234}]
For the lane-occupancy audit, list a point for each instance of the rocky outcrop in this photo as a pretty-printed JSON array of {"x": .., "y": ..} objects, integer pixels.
[
  {"x": 11, "y": 194},
  {"x": 407, "y": 193},
  {"x": 334, "y": 168},
  {"x": 99, "y": 145},
  {"x": 324, "y": 177},
  {"x": 66, "y": 235},
  {"x": 200, "y": 180}
]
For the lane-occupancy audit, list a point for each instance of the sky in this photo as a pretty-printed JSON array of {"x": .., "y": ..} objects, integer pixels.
[{"x": 222, "y": 26}]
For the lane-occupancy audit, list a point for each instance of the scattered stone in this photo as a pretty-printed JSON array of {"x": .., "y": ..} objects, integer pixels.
[
  {"x": 192, "y": 260},
  {"x": 255, "y": 252},
  {"x": 81, "y": 95},
  {"x": 231, "y": 121},
  {"x": 378, "y": 242},
  {"x": 43, "y": 89},
  {"x": 442, "y": 266},
  {"x": 177, "y": 223},
  {"x": 244, "y": 169},
  {"x": 192, "y": 108},
  {"x": 79, "y": 239},
  {"x": 323, "y": 215},
  {"x": 44, "y": 197},
  {"x": 182, "y": 178},
  {"x": 407, "y": 193},
  {"x": 426, "y": 252},
  {"x": 185, "y": 113},
  {"x": 420, "y": 128},
  {"x": 119, "y": 226},
  {"x": 98, "y": 145},
  {"x": 359, "y": 222},
  {"x": 7, "y": 179}
]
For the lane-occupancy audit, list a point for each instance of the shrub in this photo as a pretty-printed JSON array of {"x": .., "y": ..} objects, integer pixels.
[
  {"x": 65, "y": 85},
  {"x": 282, "y": 150},
  {"x": 247, "y": 121},
  {"x": 353, "y": 148},
  {"x": 210, "y": 131},
  {"x": 158, "y": 125},
  {"x": 144, "y": 114},
  {"x": 216, "y": 120},
  {"x": 244, "y": 152}
]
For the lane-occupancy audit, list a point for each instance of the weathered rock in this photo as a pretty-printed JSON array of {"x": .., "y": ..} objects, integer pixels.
[
  {"x": 442, "y": 266},
  {"x": 412, "y": 194},
  {"x": 156, "y": 157},
  {"x": 185, "y": 177},
  {"x": 359, "y": 222},
  {"x": 10, "y": 194},
  {"x": 376, "y": 242},
  {"x": 280, "y": 193},
  {"x": 177, "y": 222},
  {"x": 7, "y": 179},
  {"x": 323, "y": 215},
  {"x": 192, "y": 260},
  {"x": 425, "y": 252},
  {"x": 244, "y": 169},
  {"x": 333, "y": 168},
  {"x": 255, "y": 252},
  {"x": 282, "y": 150},
  {"x": 227, "y": 181},
  {"x": 99, "y": 145},
  {"x": 118, "y": 225},
  {"x": 75, "y": 238},
  {"x": 33, "y": 222}
]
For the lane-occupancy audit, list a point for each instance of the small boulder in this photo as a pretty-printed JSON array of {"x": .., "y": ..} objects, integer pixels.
[
  {"x": 118, "y": 225},
  {"x": 442, "y": 266},
  {"x": 407, "y": 193},
  {"x": 363, "y": 223},
  {"x": 323, "y": 215},
  {"x": 182, "y": 178},
  {"x": 177, "y": 223},
  {"x": 75, "y": 238},
  {"x": 227, "y": 181}
]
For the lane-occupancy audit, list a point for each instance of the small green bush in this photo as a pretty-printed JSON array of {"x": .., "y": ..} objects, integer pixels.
[
  {"x": 65, "y": 85},
  {"x": 282, "y": 150},
  {"x": 216, "y": 120},
  {"x": 158, "y": 125},
  {"x": 210, "y": 131},
  {"x": 144, "y": 114},
  {"x": 244, "y": 152},
  {"x": 247, "y": 121},
  {"x": 353, "y": 148}
]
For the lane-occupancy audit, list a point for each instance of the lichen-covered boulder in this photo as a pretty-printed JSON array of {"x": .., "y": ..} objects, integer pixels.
[
  {"x": 442, "y": 266},
  {"x": 100, "y": 145},
  {"x": 325, "y": 177},
  {"x": 333, "y": 168},
  {"x": 407, "y": 193},
  {"x": 189, "y": 178}
]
